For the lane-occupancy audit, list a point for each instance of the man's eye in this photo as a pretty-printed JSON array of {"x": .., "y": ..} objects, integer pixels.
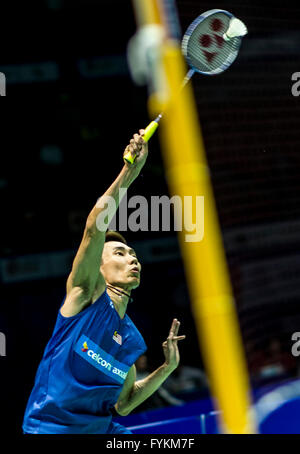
[{"x": 119, "y": 253}]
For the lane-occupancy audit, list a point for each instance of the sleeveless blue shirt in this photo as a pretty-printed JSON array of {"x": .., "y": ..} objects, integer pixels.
[{"x": 82, "y": 371}]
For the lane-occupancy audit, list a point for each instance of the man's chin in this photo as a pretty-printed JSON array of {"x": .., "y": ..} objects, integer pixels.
[{"x": 134, "y": 284}]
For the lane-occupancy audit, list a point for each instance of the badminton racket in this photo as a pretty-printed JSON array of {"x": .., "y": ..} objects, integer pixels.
[{"x": 210, "y": 45}]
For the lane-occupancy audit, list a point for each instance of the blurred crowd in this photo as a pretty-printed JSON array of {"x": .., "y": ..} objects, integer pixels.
[
  {"x": 274, "y": 362},
  {"x": 271, "y": 364}
]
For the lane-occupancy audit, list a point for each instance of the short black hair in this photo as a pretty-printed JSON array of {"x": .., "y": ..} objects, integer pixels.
[{"x": 112, "y": 235}]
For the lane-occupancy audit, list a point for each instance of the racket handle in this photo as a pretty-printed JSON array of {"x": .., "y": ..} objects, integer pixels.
[{"x": 149, "y": 131}]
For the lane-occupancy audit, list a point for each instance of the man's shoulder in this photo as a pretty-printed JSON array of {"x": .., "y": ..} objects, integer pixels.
[{"x": 134, "y": 332}]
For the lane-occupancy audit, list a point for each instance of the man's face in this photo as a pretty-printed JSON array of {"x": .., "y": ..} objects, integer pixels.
[{"x": 120, "y": 266}]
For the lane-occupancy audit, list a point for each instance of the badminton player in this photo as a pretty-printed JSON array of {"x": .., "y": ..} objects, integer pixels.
[{"x": 87, "y": 372}]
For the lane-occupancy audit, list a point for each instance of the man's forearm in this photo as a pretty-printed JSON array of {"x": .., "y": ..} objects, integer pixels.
[
  {"x": 116, "y": 191},
  {"x": 143, "y": 389}
]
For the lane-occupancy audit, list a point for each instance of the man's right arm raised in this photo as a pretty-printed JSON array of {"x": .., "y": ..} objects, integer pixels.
[{"x": 85, "y": 271}]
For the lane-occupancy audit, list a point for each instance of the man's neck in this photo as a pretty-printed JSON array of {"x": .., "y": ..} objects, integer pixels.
[{"x": 119, "y": 300}]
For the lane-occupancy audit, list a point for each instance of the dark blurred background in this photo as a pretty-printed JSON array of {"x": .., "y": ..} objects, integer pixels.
[{"x": 70, "y": 110}]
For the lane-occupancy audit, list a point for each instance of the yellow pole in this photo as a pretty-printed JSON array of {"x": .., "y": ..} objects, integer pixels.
[
  {"x": 205, "y": 264},
  {"x": 204, "y": 260},
  {"x": 146, "y": 12}
]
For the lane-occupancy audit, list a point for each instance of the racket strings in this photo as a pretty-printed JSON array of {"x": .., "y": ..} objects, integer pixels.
[{"x": 206, "y": 49}]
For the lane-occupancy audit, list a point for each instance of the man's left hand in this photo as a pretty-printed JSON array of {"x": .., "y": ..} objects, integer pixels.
[{"x": 170, "y": 346}]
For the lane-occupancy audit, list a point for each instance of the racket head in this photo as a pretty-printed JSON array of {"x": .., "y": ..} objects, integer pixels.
[{"x": 203, "y": 44}]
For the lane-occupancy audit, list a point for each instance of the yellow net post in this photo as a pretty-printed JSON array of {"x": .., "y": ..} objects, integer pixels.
[{"x": 202, "y": 250}]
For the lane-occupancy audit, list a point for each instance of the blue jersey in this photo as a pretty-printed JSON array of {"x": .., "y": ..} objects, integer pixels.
[{"x": 82, "y": 371}]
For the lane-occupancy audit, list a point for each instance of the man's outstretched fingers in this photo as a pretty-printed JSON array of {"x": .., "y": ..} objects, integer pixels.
[
  {"x": 178, "y": 338},
  {"x": 173, "y": 326},
  {"x": 176, "y": 327}
]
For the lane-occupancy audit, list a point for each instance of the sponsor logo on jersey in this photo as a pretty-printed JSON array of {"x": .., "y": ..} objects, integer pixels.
[
  {"x": 84, "y": 347},
  {"x": 117, "y": 337},
  {"x": 100, "y": 359}
]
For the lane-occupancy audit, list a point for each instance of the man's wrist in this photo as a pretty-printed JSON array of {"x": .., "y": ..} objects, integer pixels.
[
  {"x": 129, "y": 174},
  {"x": 168, "y": 368}
]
